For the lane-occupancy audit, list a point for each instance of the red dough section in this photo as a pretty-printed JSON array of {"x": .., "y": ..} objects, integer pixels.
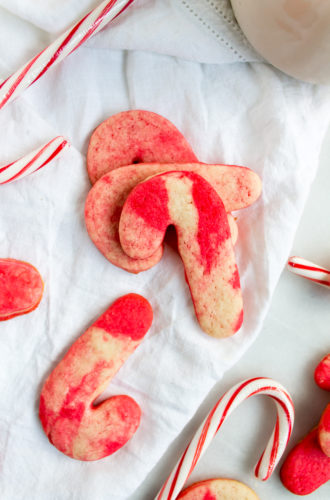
[
  {"x": 130, "y": 315},
  {"x": 69, "y": 418},
  {"x": 322, "y": 373},
  {"x": 135, "y": 136},
  {"x": 150, "y": 202},
  {"x": 218, "y": 489},
  {"x": 189, "y": 202},
  {"x": 21, "y": 288},
  {"x": 324, "y": 431},
  {"x": 306, "y": 467},
  {"x": 210, "y": 221}
]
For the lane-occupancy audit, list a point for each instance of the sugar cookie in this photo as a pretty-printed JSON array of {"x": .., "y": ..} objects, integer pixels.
[
  {"x": 21, "y": 288},
  {"x": 218, "y": 489},
  {"x": 70, "y": 420},
  {"x": 187, "y": 201},
  {"x": 135, "y": 136},
  {"x": 238, "y": 187}
]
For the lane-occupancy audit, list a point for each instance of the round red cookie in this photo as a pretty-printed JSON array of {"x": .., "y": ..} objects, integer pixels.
[
  {"x": 135, "y": 136},
  {"x": 218, "y": 489},
  {"x": 21, "y": 288}
]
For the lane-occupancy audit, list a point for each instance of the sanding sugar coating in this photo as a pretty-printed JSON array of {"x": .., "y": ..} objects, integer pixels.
[
  {"x": 21, "y": 288},
  {"x": 218, "y": 489},
  {"x": 187, "y": 201},
  {"x": 135, "y": 136},
  {"x": 306, "y": 467},
  {"x": 70, "y": 420},
  {"x": 238, "y": 187}
]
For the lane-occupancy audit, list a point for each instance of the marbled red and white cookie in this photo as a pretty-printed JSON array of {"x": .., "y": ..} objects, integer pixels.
[
  {"x": 70, "y": 420},
  {"x": 189, "y": 202},
  {"x": 135, "y": 136},
  {"x": 218, "y": 489},
  {"x": 21, "y": 288},
  {"x": 238, "y": 187}
]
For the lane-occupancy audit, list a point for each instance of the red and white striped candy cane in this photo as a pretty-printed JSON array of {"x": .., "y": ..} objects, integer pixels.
[
  {"x": 309, "y": 270},
  {"x": 67, "y": 43},
  {"x": 33, "y": 161},
  {"x": 13, "y": 86},
  {"x": 209, "y": 428}
]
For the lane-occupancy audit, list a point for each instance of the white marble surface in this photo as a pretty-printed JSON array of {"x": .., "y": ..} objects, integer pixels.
[{"x": 295, "y": 336}]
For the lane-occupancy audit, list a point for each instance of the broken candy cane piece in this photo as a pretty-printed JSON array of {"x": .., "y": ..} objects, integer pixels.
[
  {"x": 135, "y": 136},
  {"x": 238, "y": 187},
  {"x": 306, "y": 467},
  {"x": 218, "y": 489},
  {"x": 33, "y": 161},
  {"x": 21, "y": 288},
  {"x": 70, "y": 420},
  {"x": 62, "y": 47},
  {"x": 217, "y": 416},
  {"x": 322, "y": 373},
  {"x": 187, "y": 201},
  {"x": 324, "y": 431},
  {"x": 309, "y": 270}
]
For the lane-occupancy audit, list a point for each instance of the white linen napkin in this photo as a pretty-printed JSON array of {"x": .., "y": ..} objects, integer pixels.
[{"x": 243, "y": 113}]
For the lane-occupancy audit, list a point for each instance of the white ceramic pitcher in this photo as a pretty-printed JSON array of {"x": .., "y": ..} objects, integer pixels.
[{"x": 293, "y": 35}]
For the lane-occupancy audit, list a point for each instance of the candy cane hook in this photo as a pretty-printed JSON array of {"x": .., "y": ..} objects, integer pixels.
[
  {"x": 309, "y": 270},
  {"x": 211, "y": 425},
  {"x": 63, "y": 46}
]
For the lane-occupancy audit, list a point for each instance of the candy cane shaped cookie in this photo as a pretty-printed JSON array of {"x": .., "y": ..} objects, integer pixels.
[
  {"x": 213, "y": 422},
  {"x": 70, "y": 420},
  {"x": 187, "y": 201},
  {"x": 138, "y": 136},
  {"x": 33, "y": 161},
  {"x": 309, "y": 270},
  {"x": 21, "y": 288},
  {"x": 135, "y": 136},
  {"x": 238, "y": 187},
  {"x": 63, "y": 46}
]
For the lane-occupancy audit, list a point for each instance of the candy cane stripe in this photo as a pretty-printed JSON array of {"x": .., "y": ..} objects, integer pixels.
[
  {"x": 309, "y": 270},
  {"x": 33, "y": 161},
  {"x": 212, "y": 423},
  {"x": 63, "y": 46}
]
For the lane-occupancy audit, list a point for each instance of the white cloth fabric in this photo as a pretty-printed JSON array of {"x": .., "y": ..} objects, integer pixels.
[{"x": 243, "y": 113}]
